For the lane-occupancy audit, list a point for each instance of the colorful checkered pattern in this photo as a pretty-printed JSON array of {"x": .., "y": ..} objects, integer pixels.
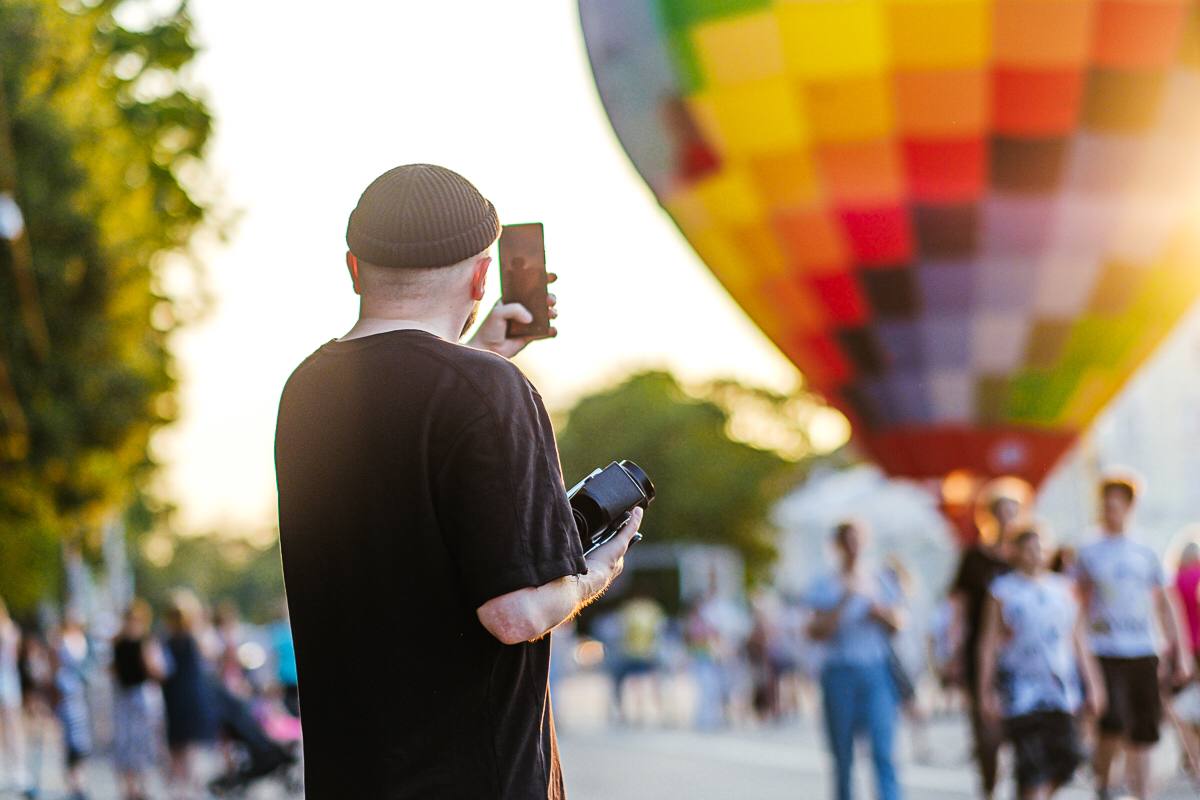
[{"x": 967, "y": 222}]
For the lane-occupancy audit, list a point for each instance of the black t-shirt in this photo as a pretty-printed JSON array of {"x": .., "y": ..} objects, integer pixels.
[
  {"x": 417, "y": 480},
  {"x": 978, "y": 568},
  {"x": 129, "y": 662}
]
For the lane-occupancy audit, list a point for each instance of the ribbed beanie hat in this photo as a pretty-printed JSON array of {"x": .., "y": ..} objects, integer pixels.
[{"x": 421, "y": 215}]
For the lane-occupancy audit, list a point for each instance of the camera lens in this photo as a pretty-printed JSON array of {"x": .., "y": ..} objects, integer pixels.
[{"x": 640, "y": 478}]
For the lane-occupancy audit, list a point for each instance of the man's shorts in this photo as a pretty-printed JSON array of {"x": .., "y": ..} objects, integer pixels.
[
  {"x": 1134, "y": 702},
  {"x": 1046, "y": 747}
]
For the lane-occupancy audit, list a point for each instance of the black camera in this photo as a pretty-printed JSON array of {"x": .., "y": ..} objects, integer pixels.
[{"x": 603, "y": 501}]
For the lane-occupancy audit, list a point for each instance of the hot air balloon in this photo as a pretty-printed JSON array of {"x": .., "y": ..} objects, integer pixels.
[{"x": 966, "y": 222}]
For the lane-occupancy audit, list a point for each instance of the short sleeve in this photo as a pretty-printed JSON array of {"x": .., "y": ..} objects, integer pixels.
[
  {"x": 1158, "y": 575},
  {"x": 820, "y": 595},
  {"x": 501, "y": 501}
]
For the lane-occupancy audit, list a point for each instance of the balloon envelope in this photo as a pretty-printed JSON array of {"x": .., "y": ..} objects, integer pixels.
[{"x": 965, "y": 222}]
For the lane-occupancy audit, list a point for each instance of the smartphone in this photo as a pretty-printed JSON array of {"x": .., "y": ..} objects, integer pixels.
[{"x": 523, "y": 277}]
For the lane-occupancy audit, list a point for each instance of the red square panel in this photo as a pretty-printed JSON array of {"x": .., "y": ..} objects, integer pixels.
[
  {"x": 946, "y": 170},
  {"x": 879, "y": 236},
  {"x": 1036, "y": 102},
  {"x": 841, "y": 297},
  {"x": 828, "y": 358}
]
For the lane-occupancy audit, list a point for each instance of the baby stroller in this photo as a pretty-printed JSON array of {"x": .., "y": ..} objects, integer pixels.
[{"x": 260, "y": 755}]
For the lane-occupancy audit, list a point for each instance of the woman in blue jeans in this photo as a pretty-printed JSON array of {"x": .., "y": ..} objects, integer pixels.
[{"x": 855, "y": 612}]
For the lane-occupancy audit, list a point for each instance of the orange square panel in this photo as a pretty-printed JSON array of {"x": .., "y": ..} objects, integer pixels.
[
  {"x": 1041, "y": 33},
  {"x": 942, "y": 103},
  {"x": 861, "y": 173},
  {"x": 1036, "y": 102},
  {"x": 1138, "y": 34},
  {"x": 813, "y": 240}
]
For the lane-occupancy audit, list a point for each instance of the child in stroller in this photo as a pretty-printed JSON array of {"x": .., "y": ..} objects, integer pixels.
[{"x": 269, "y": 745}]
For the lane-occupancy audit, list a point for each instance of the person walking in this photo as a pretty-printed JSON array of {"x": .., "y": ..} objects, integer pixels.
[
  {"x": 1035, "y": 670},
  {"x": 1123, "y": 586},
  {"x": 188, "y": 693},
  {"x": 1187, "y": 704},
  {"x": 137, "y": 668},
  {"x": 1187, "y": 589},
  {"x": 1001, "y": 503},
  {"x": 283, "y": 651},
  {"x": 12, "y": 729},
  {"x": 72, "y": 654},
  {"x": 856, "y": 610},
  {"x": 423, "y": 517}
]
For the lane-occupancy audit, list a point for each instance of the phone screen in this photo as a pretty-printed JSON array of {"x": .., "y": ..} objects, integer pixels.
[{"x": 523, "y": 277}]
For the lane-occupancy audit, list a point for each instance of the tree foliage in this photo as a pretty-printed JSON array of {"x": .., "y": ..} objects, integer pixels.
[
  {"x": 101, "y": 143},
  {"x": 711, "y": 487},
  {"x": 217, "y": 568}
]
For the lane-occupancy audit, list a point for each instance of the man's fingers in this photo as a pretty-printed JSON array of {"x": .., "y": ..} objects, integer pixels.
[
  {"x": 514, "y": 311},
  {"x": 551, "y": 277}
]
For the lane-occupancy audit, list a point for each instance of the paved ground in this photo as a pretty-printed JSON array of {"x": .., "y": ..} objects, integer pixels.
[{"x": 606, "y": 762}]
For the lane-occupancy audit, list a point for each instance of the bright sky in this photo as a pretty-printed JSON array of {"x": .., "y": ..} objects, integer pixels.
[{"x": 311, "y": 106}]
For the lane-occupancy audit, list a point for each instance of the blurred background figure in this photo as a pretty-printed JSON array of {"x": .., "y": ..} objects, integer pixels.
[
  {"x": 638, "y": 694},
  {"x": 715, "y": 631},
  {"x": 1032, "y": 656},
  {"x": 138, "y": 666},
  {"x": 283, "y": 649},
  {"x": 38, "y": 694},
  {"x": 227, "y": 639},
  {"x": 1187, "y": 702},
  {"x": 187, "y": 692},
  {"x": 856, "y": 610},
  {"x": 1000, "y": 503},
  {"x": 72, "y": 654},
  {"x": 12, "y": 730},
  {"x": 1187, "y": 587},
  {"x": 907, "y": 660},
  {"x": 1123, "y": 586}
]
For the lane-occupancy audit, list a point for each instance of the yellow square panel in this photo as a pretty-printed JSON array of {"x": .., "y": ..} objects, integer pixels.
[
  {"x": 758, "y": 241},
  {"x": 850, "y": 109},
  {"x": 833, "y": 38},
  {"x": 786, "y": 180},
  {"x": 1092, "y": 394},
  {"x": 751, "y": 118},
  {"x": 739, "y": 49},
  {"x": 939, "y": 33},
  {"x": 730, "y": 197}
]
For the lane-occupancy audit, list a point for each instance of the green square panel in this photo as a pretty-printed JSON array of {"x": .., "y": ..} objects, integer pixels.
[{"x": 683, "y": 14}]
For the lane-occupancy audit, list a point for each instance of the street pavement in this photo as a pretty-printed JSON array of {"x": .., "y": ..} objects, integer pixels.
[
  {"x": 603, "y": 761},
  {"x": 667, "y": 759}
]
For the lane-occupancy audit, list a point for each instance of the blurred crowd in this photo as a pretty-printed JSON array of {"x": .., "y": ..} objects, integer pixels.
[
  {"x": 155, "y": 696},
  {"x": 885, "y": 652}
]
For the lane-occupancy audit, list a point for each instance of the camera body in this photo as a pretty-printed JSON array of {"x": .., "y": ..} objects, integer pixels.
[{"x": 603, "y": 501}]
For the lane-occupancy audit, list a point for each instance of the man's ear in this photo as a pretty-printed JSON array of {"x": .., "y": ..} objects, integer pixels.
[
  {"x": 479, "y": 278},
  {"x": 352, "y": 265}
]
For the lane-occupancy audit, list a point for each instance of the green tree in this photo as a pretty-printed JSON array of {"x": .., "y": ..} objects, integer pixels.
[
  {"x": 216, "y": 568},
  {"x": 711, "y": 487},
  {"x": 101, "y": 146}
]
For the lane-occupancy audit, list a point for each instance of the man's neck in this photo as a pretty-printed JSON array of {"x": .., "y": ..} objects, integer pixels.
[
  {"x": 369, "y": 326},
  {"x": 1113, "y": 532}
]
